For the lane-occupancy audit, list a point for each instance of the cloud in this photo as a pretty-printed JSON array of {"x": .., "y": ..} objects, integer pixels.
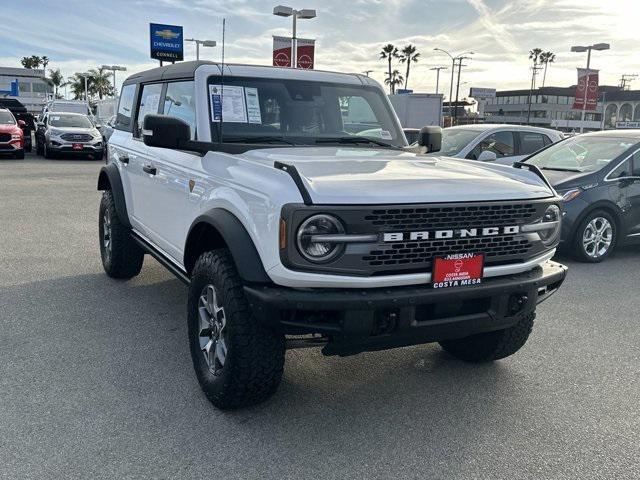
[{"x": 349, "y": 35}]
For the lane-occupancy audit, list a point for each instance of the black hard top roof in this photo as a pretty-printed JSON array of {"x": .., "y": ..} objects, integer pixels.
[{"x": 167, "y": 72}]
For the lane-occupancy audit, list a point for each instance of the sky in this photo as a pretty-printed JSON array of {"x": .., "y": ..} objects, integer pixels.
[{"x": 81, "y": 34}]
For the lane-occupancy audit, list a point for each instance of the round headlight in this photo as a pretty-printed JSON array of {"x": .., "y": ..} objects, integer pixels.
[
  {"x": 552, "y": 216},
  {"x": 315, "y": 249}
]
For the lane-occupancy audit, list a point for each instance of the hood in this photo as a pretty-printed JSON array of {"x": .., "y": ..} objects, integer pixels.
[
  {"x": 565, "y": 179},
  {"x": 10, "y": 129},
  {"x": 382, "y": 176},
  {"x": 90, "y": 130}
]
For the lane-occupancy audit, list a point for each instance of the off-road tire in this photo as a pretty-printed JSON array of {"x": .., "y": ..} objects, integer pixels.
[
  {"x": 489, "y": 346},
  {"x": 577, "y": 250},
  {"x": 255, "y": 353},
  {"x": 124, "y": 257}
]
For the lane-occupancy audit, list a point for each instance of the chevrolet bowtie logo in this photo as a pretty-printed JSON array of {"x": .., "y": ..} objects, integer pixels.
[{"x": 167, "y": 34}]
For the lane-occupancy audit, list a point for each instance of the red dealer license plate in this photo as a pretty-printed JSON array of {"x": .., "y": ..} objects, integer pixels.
[
  {"x": 77, "y": 146},
  {"x": 457, "y": 270}
]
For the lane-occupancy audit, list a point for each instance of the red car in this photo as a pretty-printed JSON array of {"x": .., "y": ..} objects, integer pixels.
[{"x": 11, "y": 135}]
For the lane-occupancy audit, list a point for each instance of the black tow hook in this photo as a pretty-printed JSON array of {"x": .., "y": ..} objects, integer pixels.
[{"x": 517, "y": 302}]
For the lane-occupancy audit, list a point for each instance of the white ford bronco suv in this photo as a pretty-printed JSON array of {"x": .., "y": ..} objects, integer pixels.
[{"x": 289, "y": 203}]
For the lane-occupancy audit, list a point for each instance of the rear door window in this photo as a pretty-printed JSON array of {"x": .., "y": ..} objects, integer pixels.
[
  {"x": 530, "y": 142},
  {"x": 125, "y": 107},
  {"x": 149, "y": 104},
  {"x": 179, "y": 102}
]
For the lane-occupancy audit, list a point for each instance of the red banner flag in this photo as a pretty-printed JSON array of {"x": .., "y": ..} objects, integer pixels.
[
  {"x": 282, "y": 52},
  {"x": 587, "y": 90}
]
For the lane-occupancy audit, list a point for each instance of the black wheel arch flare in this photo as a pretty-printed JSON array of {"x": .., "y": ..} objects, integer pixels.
[
  {"x": 109, "y": 179},
  {"x": 219, "y": 228}
]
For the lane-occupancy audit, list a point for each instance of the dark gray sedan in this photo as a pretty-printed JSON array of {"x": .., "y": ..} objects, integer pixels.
[{"x": 598, "y": 174}]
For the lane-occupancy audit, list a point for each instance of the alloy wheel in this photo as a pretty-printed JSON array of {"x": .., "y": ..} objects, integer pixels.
[
  {"x": 106, "y": 233},
  {"x": 212, "y": 330},
  {"x": 597, "y": 237}
]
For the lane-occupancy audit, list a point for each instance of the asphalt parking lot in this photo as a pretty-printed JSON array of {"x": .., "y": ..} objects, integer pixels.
[{"x": 96, "y": 379}]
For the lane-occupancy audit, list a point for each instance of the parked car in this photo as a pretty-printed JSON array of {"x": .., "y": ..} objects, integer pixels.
[
  {"x": 11, "y": 135},
  {"x": 25, "y": 119},
  {"x": 598, "y": 175},
  {"x": 503, "y": 144},
  {"x": 292, "y": 230},
  {"x": 66, "y": 106},
  {"x": 68, "y": 133}
]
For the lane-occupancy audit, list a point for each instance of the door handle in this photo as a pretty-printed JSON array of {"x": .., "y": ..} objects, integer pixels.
[
  {"x": 124, "y": 159},
  {"x": 149, "y": 169}
]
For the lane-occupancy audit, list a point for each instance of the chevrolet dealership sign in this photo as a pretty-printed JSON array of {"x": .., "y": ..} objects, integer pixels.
[{"x": 166, "y": 42}]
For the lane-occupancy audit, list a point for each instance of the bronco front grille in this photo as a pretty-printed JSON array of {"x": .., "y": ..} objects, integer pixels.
[
  {"x": 408, "y": 255},
  {"x": 76, "y": 137},
  {"x": 422, "y": 252}
]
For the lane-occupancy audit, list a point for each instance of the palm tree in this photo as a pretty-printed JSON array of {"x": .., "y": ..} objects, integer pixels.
[
  {"x": 392, "y": 80},
  {"x": 76, "y": 82},
  {"x": 45, "y": 61},
  {"x": 545, "y": 59},
  {"x": 534, "y": 56},
  {"x": 100, "y": 83},
  {"x": 409, "y": 54},
  {"x": 31, "y": 62},
  {"x": 56, "y": 80},
  {"x": 389, "y": 52}
]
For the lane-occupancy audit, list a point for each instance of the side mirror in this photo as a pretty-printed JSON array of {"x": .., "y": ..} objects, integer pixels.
[
  {"x": 39, "y": 124},
  {"x": 165, "y": 132},
  {"x": 22, "y": 123},
  {"x": 431, "y": 138},
  {"x": 487, "y": 156},
  {"x": 98, "y": 126}
]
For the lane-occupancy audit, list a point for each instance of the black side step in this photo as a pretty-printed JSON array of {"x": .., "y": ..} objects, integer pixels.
[
  {"x": 169, "y": 265},
  {"x": 297, "y": 179}
]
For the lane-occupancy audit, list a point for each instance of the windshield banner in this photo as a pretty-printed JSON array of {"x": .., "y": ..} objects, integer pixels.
[
  {"x": 282, "y": 52},
  {"x": 586, "y": 79}
]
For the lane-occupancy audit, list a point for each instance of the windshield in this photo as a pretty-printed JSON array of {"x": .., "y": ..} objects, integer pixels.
[
  {"x": 582, "y": 153},
  {"x": 70, "y": 121},
  {"x": 300, "y": 112},
  {"x": 69, "y": 107},
  {"x": 455, "y": 139},
  {"x": 6, "y": 118}
]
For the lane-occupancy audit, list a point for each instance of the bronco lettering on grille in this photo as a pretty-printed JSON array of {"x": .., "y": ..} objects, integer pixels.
[{"x": 452, "y": 233}]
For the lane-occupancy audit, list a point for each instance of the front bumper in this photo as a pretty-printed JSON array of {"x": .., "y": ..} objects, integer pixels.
[
  {"x": 357, "y": 320},
  {"x": 67, "y": 148},
  {"x": 10, "y": 148}
]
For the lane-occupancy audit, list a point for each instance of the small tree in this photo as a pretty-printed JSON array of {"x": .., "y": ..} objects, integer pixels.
[
  {"x": 57, "y": 80},
  {"x": 393, "y": 80}
]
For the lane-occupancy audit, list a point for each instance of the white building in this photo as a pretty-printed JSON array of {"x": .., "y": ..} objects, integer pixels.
[{"x": 33, "y": 89}]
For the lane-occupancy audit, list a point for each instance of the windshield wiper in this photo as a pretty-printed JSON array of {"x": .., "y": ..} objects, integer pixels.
[
  {"x": 560, "y": 169},
  {"x": 354, "y": 140},
  {"x": 264, "y": 139}
]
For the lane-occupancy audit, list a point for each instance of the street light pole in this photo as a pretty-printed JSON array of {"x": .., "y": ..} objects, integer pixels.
[
  {"x": 114, "y": 69},
  {"x": 284, "y": 11},
  {"x": 86, "y": 85},
  {"x": 367, "y": 72},
  {"x": 437, "y": 69},
  {"x": 204, "y": 43},
  {"x": 588, "y": 48},
  {"x": 453, "y": 68}
]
